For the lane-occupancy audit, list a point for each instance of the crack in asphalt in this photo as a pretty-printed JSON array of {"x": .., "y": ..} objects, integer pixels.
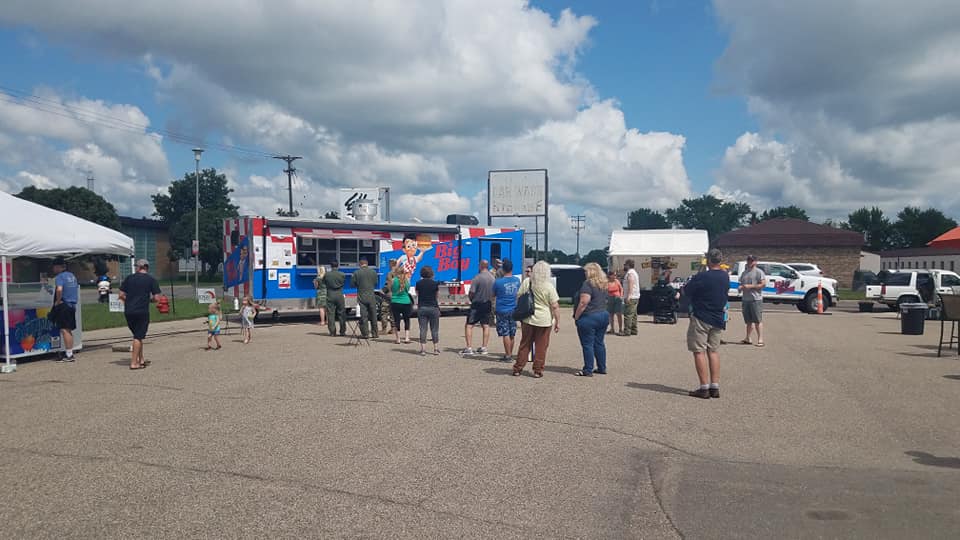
[
  {"x": 419, "y": 504},
  {"x": 659, "y": 499}
]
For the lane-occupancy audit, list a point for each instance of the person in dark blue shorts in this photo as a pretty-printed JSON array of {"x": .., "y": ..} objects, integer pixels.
[{"x": 505, "y": 293}]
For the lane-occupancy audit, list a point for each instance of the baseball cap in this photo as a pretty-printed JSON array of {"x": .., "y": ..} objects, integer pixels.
[
  {"x": 59, "y": 262},
  {"x": 143, "y": 263}
]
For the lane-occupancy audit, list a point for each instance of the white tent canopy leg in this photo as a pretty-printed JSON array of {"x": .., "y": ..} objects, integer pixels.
[{"x": 7, "y": 366}]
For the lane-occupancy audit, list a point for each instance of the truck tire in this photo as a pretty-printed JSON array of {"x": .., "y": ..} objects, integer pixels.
[
  {"x": 810, "y": 302},
  {"x": 802, "y": 306}
]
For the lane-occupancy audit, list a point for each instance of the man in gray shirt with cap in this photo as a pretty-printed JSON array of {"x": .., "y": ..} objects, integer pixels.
[{"x": 751, "y": 285}]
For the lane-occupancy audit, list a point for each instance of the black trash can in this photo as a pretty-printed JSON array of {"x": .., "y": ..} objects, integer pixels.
[{"x": 911, "y": 319}]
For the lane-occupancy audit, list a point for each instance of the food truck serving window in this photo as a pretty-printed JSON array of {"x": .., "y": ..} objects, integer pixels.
[{"x": 313, "y": 251}]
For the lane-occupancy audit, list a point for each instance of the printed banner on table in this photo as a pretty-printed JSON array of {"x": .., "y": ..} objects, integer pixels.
[{"x": 30, "y": 331}]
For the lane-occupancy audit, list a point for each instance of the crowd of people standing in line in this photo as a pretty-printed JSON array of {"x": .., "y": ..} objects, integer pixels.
[{"x": 495, "y": 300}]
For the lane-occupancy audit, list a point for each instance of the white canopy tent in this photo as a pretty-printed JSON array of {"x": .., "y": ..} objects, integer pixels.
[
  {"x": 666, "y": 242},
  {"x": 676, "y": 252},
  {"x": 31, "y": 230}
]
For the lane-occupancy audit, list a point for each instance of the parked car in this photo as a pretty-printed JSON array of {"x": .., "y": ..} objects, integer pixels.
[
  {"x": 911, "y": 286},
  {"x": 786, "y": 285},
  {"x": 569, "y": 279},
  {"x": 862, "y": 278},
  {"x": 807, "y": 269}
]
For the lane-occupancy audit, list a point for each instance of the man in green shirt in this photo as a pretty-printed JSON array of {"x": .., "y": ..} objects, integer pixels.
[
  {"x": 336, "y": 309},
  {"x": 365, "y": 280}
]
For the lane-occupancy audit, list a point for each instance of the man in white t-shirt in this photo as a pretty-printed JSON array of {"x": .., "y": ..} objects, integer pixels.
[{"x": 631, "y": 295}]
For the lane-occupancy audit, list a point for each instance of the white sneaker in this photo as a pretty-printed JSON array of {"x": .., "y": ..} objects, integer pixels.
[
  {"x": 466, "y": 351},
  {"x": 482, "y": 350}
]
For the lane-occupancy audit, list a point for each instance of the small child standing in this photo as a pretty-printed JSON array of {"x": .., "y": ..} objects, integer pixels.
[
  {"x": 213, "y": 325},
  {"x": 247, "y": 312}
]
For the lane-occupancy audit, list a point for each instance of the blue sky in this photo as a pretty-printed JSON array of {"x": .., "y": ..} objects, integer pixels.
[
  {"x": 672, "y": 92},
  {"x": 629, "y": 104}
]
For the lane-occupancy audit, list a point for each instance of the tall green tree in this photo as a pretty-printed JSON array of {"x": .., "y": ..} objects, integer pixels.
[
  {"x": 915, "y": 227},
  {"x": 791, "y": 211},
  {"x": 711, "y": 214},
  {"x": 874, "y": 225},
  {"x": 176, "y": 208},
  {"x": 76, "y": 201},
  {"x": 599, "y": 256},
  {"x": 645, "y": 218}
]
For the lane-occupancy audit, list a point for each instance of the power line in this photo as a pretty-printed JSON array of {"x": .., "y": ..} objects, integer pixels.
[
  {"x": 95, "y": 118},
  {"x": 578, "y": 223}
]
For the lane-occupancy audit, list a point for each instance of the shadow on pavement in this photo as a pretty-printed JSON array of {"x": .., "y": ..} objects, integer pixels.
[
  {"x": 954, "y": 377},
  {"x": 498, "y": 371},
  {"x": 924, "y": 458},
  {"x": 658, "y": 388},
  {"x": 560, "y": 369},
  {"x": 919, "y": 355}
]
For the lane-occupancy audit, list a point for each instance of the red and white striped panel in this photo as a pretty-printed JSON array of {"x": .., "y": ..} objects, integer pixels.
[
  {"x": 341, "y": 233},
  {"x": 477, "y": 232}
]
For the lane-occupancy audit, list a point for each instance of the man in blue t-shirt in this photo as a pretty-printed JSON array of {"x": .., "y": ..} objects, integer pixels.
[
  {"x": 65, "y": 299},
  {"x": 708, "y": 299},
  {"x": 505, "y": 292}
]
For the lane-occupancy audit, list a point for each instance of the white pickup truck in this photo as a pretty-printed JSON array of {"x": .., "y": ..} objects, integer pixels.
[
  {"x": 904, "y": 286},
  {"x": 786, "y": 285}
]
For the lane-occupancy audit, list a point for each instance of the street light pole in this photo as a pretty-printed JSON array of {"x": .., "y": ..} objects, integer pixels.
[{"x": 196, "y": 228}]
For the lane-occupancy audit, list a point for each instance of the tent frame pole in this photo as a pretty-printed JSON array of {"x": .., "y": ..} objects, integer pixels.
[{"x": 8, "y": 366}]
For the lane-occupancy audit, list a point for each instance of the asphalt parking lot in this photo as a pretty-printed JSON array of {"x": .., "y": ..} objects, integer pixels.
[{"x": 840, "y": 427}]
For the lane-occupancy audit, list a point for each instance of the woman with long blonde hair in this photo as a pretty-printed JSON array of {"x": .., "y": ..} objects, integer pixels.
[
  {"x": 592, "y": 320},
  {"x": 535, "y": 330}
]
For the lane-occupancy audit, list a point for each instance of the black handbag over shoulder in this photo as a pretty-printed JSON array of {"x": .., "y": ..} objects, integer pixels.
[{"x": 525, "y": 306}]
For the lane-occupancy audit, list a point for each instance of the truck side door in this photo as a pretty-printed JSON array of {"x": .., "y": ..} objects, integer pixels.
[{"x": 784, "y": 281}]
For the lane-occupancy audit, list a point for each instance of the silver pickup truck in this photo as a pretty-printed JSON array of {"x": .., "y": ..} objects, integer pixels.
[{"x": 903, "y": 286}]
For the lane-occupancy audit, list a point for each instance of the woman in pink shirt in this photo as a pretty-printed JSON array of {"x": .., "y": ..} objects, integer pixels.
[{"x": 615, "y": 301}]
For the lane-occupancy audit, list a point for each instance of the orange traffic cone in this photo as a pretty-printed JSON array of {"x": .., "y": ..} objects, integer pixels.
[{"x": 820, "y": 298}]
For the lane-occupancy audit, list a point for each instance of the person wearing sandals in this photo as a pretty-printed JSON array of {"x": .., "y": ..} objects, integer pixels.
[
  {"x": 615, "y": 302},
  {"x": 428, "y": 310},
  {"x": 535, "y": 330},
  {"x": 400, "y": 302},
  {"x": 592, "y": 319},
  {"x": 137, "y": 291},
  {"x": 751, "y": 285}
]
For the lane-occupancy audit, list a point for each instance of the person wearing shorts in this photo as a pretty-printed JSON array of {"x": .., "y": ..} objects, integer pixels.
[
  {"x": 708, "y": 299},
  {"x": 136, "y": 293},
  {"x": 481, "y": 308},
  {"x": 751, "y": 285},
  {"x": 505, "y": 298},
  {"x": 66, "y": 297}
]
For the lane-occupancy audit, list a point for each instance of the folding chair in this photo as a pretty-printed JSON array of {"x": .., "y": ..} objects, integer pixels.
[
  {"x": 949, "y": 311},
  {"x": 356, "y": 338}
]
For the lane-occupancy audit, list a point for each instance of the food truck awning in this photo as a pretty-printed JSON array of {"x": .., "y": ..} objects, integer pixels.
[
  {"x": 659, "y": 242},
  {"x": 31, "y": 230}
]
